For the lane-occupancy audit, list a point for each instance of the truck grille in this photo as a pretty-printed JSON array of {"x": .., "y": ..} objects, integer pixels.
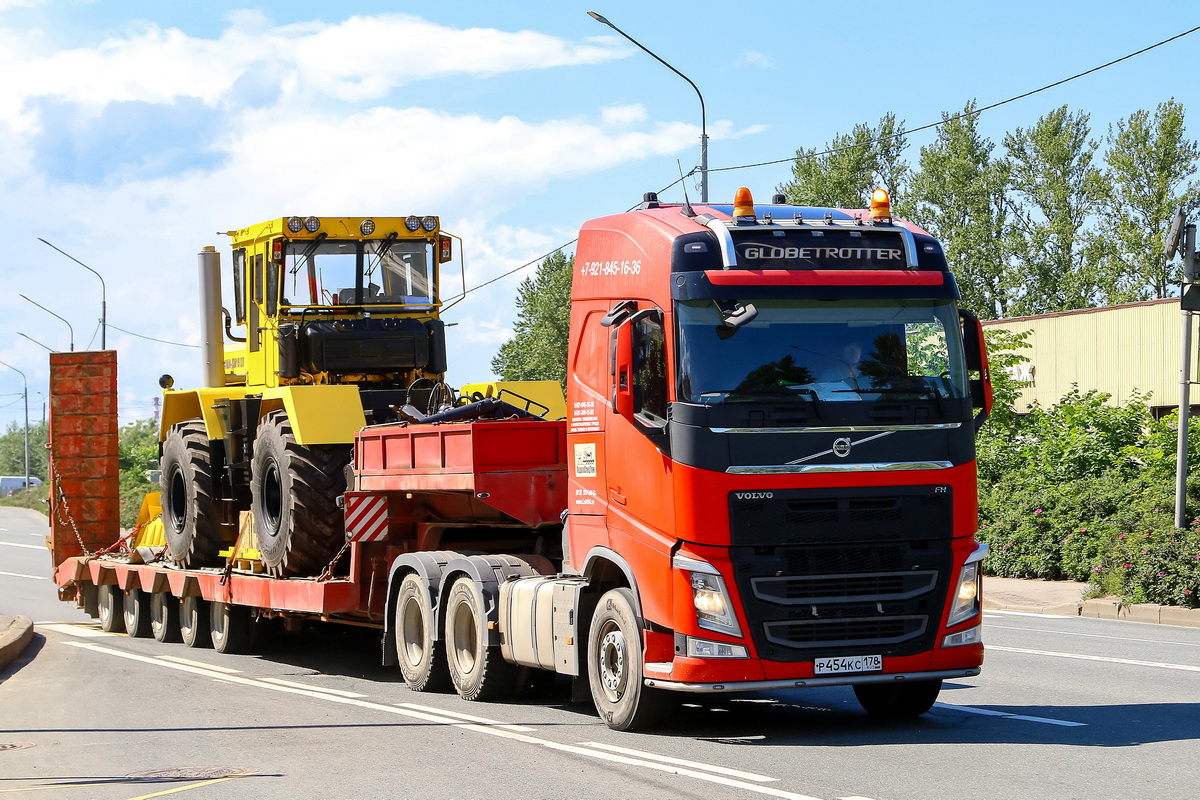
[{"x": 850, "y": 571}]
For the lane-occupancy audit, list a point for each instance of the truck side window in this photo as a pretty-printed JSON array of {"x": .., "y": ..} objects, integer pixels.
[
  {"x": 239, "y": 286},
  {"x": 650, "y": 370},
  {"x": 272, "y": 288}
]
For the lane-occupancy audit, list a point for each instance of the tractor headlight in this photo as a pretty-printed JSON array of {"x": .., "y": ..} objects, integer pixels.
[
  {"x": 312, "y": 224},
  {"x": 295, "y": 224},
  {"x": 430, "y": 224},
  {"x": 714, "y": 610},
  {"x": 367, "y": 226},
  {"x": 412, "y": 223},
  {"x": 966, "y": 593}
]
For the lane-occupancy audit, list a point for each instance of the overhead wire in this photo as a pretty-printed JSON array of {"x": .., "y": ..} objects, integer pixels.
[{"x": 889, "y": 137}]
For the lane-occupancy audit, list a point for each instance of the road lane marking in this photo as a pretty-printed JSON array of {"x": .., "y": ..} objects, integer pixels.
[
  {"x": 118, "y": 782},
  {"x": 70, "y": 630},
  {"x": 19, "y": 575},
  {"x": 325, "y": 689},
  {"x": 468, "y": 717},
  {"x": 1107, "y": 659},
  {"x": 26, "y": 546},
  {"x": 1092, "y": 635},
  {"x": 987, "y": 614},
  {"x": 440, "y": 719},
  {"x": 200, "y": 664},
  {"x": 750, "y": 776},
  {"x": 987, "y": 712}
]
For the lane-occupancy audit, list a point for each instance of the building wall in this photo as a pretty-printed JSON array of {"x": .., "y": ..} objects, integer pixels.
[{"x": 1119, "y": 350}]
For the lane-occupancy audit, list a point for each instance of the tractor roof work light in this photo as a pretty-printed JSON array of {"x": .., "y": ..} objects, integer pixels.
[
  {"x": 743, "y": 206},
  {"x": 295, "y": 224},
  {"x": 881, "y": 207}
]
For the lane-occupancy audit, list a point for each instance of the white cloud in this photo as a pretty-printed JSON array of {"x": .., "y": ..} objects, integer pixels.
[
  {"x": 623, "y": 115},
  {"x": 753, "y": 58}
]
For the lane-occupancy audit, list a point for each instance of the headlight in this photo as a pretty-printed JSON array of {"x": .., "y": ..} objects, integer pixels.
[
  {"x": 966, "y": 595},
  {"x": 295, "y": 224},
  {"x": 412, "y": 223},
  {"x": 367, "y": 226},
  {"x": 714, "y": 611},
  {"x": 312, "y": 224},
  {"x": 430, "y": 224}
]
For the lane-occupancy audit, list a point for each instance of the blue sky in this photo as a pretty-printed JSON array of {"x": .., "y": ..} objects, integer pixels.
[{"x": 133, "y": 131}]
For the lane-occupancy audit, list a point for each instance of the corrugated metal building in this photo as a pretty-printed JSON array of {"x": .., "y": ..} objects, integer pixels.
[{"x": 1117, "y": 349}]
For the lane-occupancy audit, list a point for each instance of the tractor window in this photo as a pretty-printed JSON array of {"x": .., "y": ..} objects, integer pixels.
[
  {"x": 371, "y": 272},
  {"x": 404, "y": 272},
  {"x": 239, "y": 286},
  {"x": 272, "y": 288}
]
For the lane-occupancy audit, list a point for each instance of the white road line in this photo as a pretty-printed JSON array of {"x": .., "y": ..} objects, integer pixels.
[
  {"x": 440, "y": 719},
  {"x": 987, "y": 712},
  {"x": 987, "y": 614},
  {"x": 750, "y": 776},
  {"x": 468, "y": 717},
  {"x": 1107, "y": 659},
  {"x": 325, "y": 689},
  {"x": 1092, "y": 635},
  {"x": 27, "y": 546},
  {"x": 201, "y": 664},
  {"x": 70, "y": 630},
  {"x": 19, "y": 575}
]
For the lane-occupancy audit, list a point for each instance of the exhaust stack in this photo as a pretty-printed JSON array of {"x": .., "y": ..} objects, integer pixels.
[{"x": 212, "y": 347}]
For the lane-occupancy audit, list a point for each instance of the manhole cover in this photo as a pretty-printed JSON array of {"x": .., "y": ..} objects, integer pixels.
[
  {"x": 191, "y": 773},
  {"x": 15, "y": 746}
]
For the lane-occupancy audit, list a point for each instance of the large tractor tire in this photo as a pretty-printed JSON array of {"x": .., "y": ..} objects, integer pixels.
[
  {"x": 294, "y": 491},
  {"x": 191, "y": 514}
]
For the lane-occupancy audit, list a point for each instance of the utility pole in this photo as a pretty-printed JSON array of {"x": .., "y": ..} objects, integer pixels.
[{"x": 1181, "y": 239}]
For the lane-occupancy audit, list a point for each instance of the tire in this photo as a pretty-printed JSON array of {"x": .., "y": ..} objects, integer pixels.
[
  {"x": 193, "y": 622},
  {"x": 229, "y": 626},
  {"x": 111, "y": 609},
  {"x": 191, "y": 514},
  {"x": 422, "y": 658},
  {"x": 89, "y": 599},
  {"x": 164, "y": 617},
  {"x": 294, "y": 493},
  {"x": 477, "y": 671},
  {"x": 137, "y": 614},
  {"x": 901, "y": 700},
  {"x": 614, "y": 661}
]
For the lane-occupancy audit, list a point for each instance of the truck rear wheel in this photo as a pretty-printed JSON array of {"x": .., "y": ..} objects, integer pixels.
[
  {"x": 137, "y": 614},
  {"x": 899, "y": 700},
  {"x": 191, "y": 515},
  {"x": 193, "y": 622},
  {"x": 111, "y": 608},
  {"x": 422, "y": 658},
  {"x": 164, "y": 617},
  {"x": 230, "y": 627},
  {"x": 614, "y": 661},
  {"x": 477, "y": 671},
  {"x": 295, "y": 489}
]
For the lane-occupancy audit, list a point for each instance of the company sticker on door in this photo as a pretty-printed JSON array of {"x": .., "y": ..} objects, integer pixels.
[{"x": 585, "y": 460}]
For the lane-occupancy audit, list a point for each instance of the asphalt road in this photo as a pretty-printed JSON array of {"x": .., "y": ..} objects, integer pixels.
[{"x": 1066, "y": 707}]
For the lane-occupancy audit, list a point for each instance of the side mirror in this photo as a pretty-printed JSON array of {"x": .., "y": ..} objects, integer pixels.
[{"x": 975, "y": 351}]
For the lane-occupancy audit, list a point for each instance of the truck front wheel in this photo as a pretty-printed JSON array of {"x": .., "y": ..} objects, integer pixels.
[
  {"x": 478, "y": 672},
  {"x": 191, "y": 515},
  {"x": 614, "y": 660},
  {"x": 899, "y": 700},
  {"x": 422, "y": 658},
  {"x": 295, "y": 489}
]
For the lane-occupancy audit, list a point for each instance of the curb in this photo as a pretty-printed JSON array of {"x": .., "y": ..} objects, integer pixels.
[
  {"x": 1109, "y": 608},
  {"x": 15, "y": 633}
]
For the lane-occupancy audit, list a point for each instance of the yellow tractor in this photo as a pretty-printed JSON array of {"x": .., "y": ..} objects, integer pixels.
[{"x": 340, "y": 328}]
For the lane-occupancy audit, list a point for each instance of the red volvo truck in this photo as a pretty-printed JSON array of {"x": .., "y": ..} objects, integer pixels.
[{"x": 765, "y": 480}]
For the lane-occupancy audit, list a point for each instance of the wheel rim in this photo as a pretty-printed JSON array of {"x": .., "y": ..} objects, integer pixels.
[
  {"x": 412, "y": 632},
  {"x": 176, "y": 500},
  {"x": 613, "y": 677},
  {"x": 272, "y": 499},
  {"x": 465, "y": 641}
]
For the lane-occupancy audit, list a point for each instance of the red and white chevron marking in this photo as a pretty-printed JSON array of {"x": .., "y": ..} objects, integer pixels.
[{"x": 366, "y": 518}]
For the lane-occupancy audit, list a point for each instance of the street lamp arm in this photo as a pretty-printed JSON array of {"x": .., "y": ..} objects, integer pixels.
[
  {"x": 103, "y": 294},
  {"x": 51, "y": 313},
  {"x": 25, "y": 381}
]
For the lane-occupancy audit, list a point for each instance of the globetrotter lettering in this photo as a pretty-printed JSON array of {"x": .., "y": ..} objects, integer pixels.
[{"x": 758, "y": 252}]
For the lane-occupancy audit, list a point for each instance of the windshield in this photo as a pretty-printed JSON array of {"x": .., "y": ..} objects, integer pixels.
[
  {"x": 393, "y": 272},
  {"x": 806, "y": 351}
]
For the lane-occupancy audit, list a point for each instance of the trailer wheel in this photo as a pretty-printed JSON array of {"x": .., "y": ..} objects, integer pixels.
[
  {"x": 477, "y": 671},
  {"x": 191, "y": 515},
  {"x": 229, "y": 626},
  {"x": 111, "y": 608},
  {"x": 294, "y": 492},
  {"x": 164, "y": 617},
  {"x": 137, "y": 614},
  {"x": 422, "y": 658},
  {"x": 193, "y": 622},
  {"x": 900, "y": 700},
  {"x": 614, "y": 660},
  {"x": 89, "y": 599}
]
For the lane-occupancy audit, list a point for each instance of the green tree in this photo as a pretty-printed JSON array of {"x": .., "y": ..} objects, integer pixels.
[
  {"x": 1057, "y": 190},
  {"x": 1149, "y": 159},
  {"x": 856, "y": 163},
  {"x": 957, "y": 194},
  {"x": 12, "y": 450},
  {"x": 538, "y": 349}
]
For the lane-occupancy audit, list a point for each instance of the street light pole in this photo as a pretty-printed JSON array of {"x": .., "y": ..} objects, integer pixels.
[
  {"x": 703, "y": 118},
  {"x": 35, "y": 341},
  {"x": 51, "y": 313},
  {"x": 26, "y": 393},
  {"x": 103, "y": 294}
]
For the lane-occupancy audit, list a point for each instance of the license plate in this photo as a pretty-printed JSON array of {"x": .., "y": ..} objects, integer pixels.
[{"x": 835, "y": 666}]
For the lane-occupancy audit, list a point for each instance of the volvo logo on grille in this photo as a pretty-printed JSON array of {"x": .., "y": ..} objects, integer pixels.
[
  {"x": 753, "y": 495},
  {"x": 841, "y": 447}
]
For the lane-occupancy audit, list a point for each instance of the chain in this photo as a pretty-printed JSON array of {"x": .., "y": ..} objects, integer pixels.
[
  {"x": 63, "y": 508},
  {"x": 327, "y": 573}
]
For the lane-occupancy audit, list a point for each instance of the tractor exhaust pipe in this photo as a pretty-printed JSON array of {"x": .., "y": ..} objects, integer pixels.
[{"x": 212, "y": 345}]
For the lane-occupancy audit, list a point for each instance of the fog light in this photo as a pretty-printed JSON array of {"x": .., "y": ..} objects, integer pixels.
[
  {"x": 703, "y": 648},
  {"x": 969, "y": 636}
]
